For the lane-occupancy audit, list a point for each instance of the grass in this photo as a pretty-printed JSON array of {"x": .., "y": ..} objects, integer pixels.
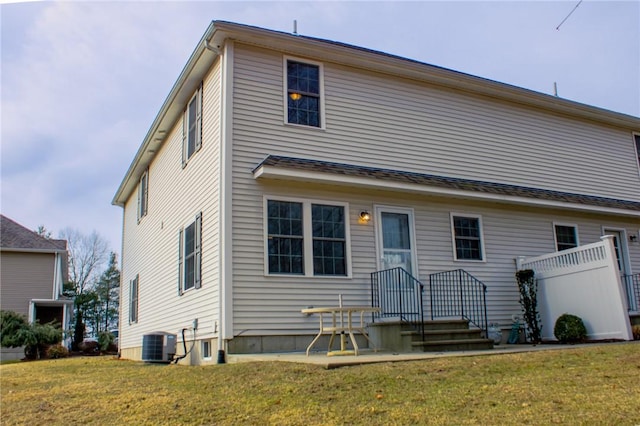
[{"x": 588, "y": 384}]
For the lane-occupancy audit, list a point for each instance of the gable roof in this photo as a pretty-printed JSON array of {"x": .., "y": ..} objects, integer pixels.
[
  {"x": 213, "y": 41},
  {"x": 280, "y": 167},
  {"x": 15, "y": 237}
]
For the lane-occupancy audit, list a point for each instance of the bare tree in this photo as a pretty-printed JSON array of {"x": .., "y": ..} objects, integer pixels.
[{"x": 87, "y": 254}]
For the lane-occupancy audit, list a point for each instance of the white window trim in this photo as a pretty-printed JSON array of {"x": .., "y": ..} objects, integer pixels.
[
  {"x": 285, "y": 90},
  {"x": 137, "y": 299},
  {"x": 555, "y": 238},
  {"x": 143, "y": 194},
  {"x": 307, "y": 235},
  {"x": 185, "y": 126},
  {"x": 453, "y": 237},
  {"x": 182, "y": 264},
  {"x": 202, "y": 351}
]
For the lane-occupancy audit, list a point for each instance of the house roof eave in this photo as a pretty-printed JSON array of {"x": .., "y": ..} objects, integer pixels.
[{"x": 284, "y": 168}]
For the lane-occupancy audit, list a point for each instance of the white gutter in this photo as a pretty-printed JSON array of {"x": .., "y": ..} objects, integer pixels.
[{"x": 339, "y": 179}]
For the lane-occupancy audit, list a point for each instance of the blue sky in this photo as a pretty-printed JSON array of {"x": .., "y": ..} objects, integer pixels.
[{"x": 83, "y": 81}]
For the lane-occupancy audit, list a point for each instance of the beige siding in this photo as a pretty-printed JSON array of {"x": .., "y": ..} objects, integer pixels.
[
  {"x": 25, "y": 276},
  {"x": 150, "y": 247},
  {"x": 380, "y": 121},
  {"x": 383, "y": 122}
]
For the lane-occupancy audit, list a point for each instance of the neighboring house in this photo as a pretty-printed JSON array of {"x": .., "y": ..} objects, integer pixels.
[
  {"x": 249, "y": 197},
  {"x": 32, "y": 273}
]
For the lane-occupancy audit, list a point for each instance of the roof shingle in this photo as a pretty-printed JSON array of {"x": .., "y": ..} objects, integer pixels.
[
  {"x": 16, "y": 236},
  {"x": 445, "y": 182}
]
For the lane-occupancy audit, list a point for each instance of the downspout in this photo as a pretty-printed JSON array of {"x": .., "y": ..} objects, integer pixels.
[{"x": 225, "y": 242}]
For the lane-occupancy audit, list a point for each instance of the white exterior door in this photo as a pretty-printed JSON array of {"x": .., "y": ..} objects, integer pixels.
[
  {"x": 620, "y": 246},
  {"x": 396, "y": 249}
]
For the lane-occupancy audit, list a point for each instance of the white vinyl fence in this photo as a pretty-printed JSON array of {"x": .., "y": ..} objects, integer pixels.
[{"x": 582, "y": 281}]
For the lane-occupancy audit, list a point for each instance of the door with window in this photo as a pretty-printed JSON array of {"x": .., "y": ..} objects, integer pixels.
[
  {"x": 399, "y": 294},
  {"x": 620, "y": 247}
]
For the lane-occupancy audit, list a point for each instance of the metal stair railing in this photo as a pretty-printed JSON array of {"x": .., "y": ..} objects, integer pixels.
[
  {"x": 398, "y": 294},
  {"x": 459, "y": 294}
]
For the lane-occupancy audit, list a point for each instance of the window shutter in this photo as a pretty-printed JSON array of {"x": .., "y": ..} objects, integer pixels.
[
  {"x": 199, "y": 119},
  {"x": 180, "y": 261},
  {"x": 139, "y": 200},
  {"x": 185, "y": 131},
  {"x": 130, "y": 301},
  {"x": 198, "y": 257}
]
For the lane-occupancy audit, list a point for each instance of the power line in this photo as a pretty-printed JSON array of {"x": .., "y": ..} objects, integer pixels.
[{"x": 570, "y": 13}]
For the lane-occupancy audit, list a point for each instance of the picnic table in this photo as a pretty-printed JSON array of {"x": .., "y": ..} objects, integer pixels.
[{"x": 337, "y": 325}]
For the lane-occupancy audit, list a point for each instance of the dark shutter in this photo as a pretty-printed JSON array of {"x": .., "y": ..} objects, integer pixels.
[
  {"x": 198, "y": 251},
  {"x": 180, "y": 261}
]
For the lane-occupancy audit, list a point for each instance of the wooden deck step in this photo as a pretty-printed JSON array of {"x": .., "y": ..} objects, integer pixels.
[{"x": 453, "y": 345}]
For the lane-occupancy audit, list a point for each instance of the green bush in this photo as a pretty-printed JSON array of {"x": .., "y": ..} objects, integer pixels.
[
  {"x": 569, "y": 329},
  {"x": 57, "y": 351},
  {"x": 35, "y": 338},
  {"x": 636, "y": 332},
  {"x": 10, "y": 325},
  {"x": 528, "y": 287},
  {"x": 105, "y": 340}
]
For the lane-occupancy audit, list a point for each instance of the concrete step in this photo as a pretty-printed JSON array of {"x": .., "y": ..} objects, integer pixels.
[
  {"x": 453, "y": 345},
  {"x": 438, "y": 335}
]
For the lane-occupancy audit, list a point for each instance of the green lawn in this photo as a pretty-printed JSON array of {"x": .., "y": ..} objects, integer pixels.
[{"x": 588, "y": 384}]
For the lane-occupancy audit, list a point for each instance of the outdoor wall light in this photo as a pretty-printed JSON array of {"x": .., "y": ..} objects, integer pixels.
[
  {"x": 295, "y": 96},
  {"x": 633, "y": 238},
  {"x": 365, "y": 216}
]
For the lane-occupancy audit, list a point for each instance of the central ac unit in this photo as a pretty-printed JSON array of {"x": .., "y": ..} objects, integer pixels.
[{"x": 158, "y": 347}]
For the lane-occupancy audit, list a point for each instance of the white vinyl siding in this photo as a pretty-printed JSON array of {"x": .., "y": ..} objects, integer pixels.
[
  {"x": 379, "y": 121},
  {"x": 402, "y": 124},
  {"x": 150, "y": 248}
]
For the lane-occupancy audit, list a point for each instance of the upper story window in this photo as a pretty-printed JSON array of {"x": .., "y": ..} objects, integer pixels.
[
  {"x": 566, "y": 236},
  {"x": 637, "y": 138},
  {"x": 190, "y": 255},
  {"x": 467, "y": 236},
  {"x": 192, "y": 127},
  {"x": 304, "y": 93},
  {"x": 143, "y": 195},
  {"x": 306, "y": 238},
  {"x": 133, "y": 300}
]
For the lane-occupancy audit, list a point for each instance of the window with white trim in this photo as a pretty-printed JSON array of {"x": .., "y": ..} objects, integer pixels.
[
  {"x": 306, "y": 238},
  {"x": 566, "y": 236},
  {"x": 134, "y": 289},
  {"x": 192, "y": 127},
  {"x": 467, "y": 237},
  {"x": 190, "y": 256},
  {"x": 143, "y": 195},
  {"x": 303, "y": 93},
  {"x": 206, "y": 349}
]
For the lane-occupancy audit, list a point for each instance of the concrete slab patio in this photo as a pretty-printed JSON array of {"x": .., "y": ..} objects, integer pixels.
[{"x": 369, "y": 357}]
